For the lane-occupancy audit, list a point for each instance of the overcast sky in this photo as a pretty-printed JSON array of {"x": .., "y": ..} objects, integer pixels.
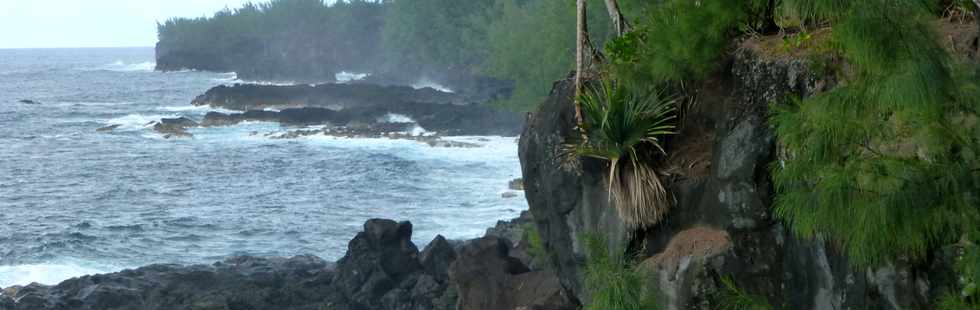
[{"x": 94, "y": 23}]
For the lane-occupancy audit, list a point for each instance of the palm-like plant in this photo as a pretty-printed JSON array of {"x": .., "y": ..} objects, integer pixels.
[{"x": 619, "y": 125}]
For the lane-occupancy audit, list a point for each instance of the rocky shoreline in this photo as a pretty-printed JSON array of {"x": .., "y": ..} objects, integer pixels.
[
  {"x": 382, "y": 269},
  {"x": 347, "y": 110}
]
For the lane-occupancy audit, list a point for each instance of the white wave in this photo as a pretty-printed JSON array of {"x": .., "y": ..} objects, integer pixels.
[
  {"x": 89, "y": 104},
  {"x": 47, "y": 274},
  {"x": 136, "y": 121},
  {"x": 121, "y": 66},
  {"x": 345, "y": 77},
  {"x": 426, "y": 83},
  {"x": 197, "y": 109},
  {"x": 228, "y": 78},
  {"x": 232, "y": 78},
  {"x": 396, "y": 118},
  {"x": 416, "y": 131}
]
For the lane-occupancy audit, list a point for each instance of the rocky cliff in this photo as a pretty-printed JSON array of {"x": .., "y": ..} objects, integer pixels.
[{"x": 721, "y": 225}]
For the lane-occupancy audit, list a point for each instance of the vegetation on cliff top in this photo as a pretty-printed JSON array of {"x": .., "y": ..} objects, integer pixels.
[{"x": 884, "y": 165}]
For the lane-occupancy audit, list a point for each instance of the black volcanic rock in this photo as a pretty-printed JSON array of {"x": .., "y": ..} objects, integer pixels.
[
  {"x": 488, "y": 278},
  {"x": 280, "y": 283},
  {"x": 174, "y": 127},
  {"x": 382, "y": 270},
  {"x": 244, "y": 97},
  {"x": 346, "y": 104}
]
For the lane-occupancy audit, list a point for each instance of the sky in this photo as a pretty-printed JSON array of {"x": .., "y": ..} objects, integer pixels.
[{"x": 94, "y": 23}]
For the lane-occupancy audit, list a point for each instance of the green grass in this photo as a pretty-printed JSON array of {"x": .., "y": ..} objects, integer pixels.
[{"x": 613, "y": 283}]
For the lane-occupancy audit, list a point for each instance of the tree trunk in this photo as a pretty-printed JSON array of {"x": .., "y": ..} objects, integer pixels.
[
  {"x": 770, "y": 26},
  {"x": 976, "y": 18},
  {"x": 620, "y": 23},
  {"x": 581, "y": 50}
]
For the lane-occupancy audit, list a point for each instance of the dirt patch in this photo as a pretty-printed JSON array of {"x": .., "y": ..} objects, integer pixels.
[
  {"x": 698, "y": 242},
  {"x": 690, "y": 154},
  {"x": 958, "y": 35}
]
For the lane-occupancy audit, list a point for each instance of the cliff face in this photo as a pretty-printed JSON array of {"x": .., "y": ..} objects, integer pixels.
[{"x": 722, "y": 224}]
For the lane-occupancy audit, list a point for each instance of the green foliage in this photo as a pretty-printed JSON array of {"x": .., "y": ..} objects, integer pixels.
[
  {"x": 535, "y": 246},
  {"x": 434, "y": 36},
  {"x": 305, "y": 38},
  {"x": 612, "y": 283},
  {"x": 734, "y": 298},
  {"x": 621, "y": 125},
  {"x": 796, "y": 41},
  {"x": 532, "y": 42},
  {"x": 878, "y": 165},
  {"x": 968, "y": 266},
  {"x": 680, "y": 40},
  {"x": 529, "y": 42}
]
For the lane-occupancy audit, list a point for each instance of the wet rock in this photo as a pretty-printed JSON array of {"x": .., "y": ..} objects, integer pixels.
[
  {"x": 346, "y": 104},
  {"x": 508, "y": 195},
  {"x": 258, "y": 283},
  {"x": 381, "y": 270},
  {"x": 244, "y": 97},
  {"x": 175, "y": 127},
  {"x": 516, "y": 185},
  {"x": 108, "y": 128},
  {"x": 28, "y": 101}
]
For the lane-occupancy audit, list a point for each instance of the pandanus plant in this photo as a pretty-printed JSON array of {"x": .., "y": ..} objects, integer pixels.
[{"x": 624, "y": 127}]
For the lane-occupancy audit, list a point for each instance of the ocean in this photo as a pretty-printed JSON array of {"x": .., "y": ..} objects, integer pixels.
[{"x": 74, "y": 201}]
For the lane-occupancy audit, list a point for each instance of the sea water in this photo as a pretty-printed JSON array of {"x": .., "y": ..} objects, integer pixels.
[{"x": 74, "y": 201}]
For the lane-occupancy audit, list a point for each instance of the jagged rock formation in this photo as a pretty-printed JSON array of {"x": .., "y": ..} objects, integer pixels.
[
  {"x": 356, "y": 105},
  {"x": 722, "y": 225},
  {"x": 244, "y": 97},
  {"x": 382, "y": 269}
]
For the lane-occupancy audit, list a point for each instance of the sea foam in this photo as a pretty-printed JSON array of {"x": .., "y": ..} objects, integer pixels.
[
  {"x": 121, "y": 66},
  {"x": 47, "y": 274}
]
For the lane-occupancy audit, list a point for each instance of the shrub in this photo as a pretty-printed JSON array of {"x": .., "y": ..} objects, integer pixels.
[
  {"x": 612, "y": 283},
  {"x": 620, "y": 126},
  {"x": 878, "y": 165}
]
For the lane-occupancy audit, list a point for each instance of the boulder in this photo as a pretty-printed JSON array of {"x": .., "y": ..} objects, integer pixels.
[
  {"x": 516, "y": 184},
  {"x": 487, "y": 278},
  {"x": 175, "y": 127},
  {"x": 28, "y": 101}
]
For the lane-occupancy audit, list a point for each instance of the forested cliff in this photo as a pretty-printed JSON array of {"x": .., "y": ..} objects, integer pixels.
[
  {"x": 753, "y": 154},
  {"x": 464, "y": 45}
]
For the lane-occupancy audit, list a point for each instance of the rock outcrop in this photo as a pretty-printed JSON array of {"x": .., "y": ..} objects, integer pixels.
[
  {"x": 382, "y": 270},
  {"x": 722, "y": 224},
  {"x": 244, "y": 97},
  {"x": 567, "y": 199},
  {"x": 357, "y": 105},
  {"x": 174, "y": 127}
]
